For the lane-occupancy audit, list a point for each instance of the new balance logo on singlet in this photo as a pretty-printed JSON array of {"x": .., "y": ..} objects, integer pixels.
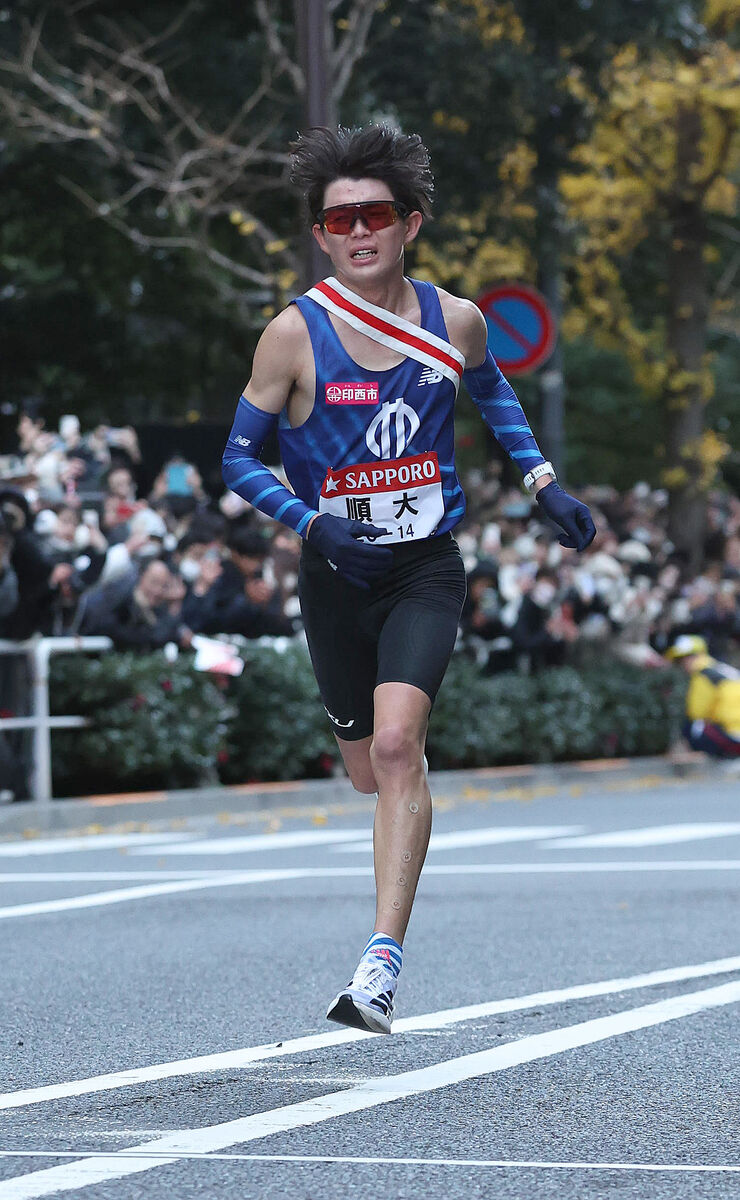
[{"x": 429, "y": 375}]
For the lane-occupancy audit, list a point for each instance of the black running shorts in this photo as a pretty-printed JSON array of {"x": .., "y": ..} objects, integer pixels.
[{"x": 401, "y": 630}]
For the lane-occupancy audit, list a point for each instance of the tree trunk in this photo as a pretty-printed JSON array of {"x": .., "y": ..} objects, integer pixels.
[
  {"x": 314, "y": 42},
  {"x": 548, "y": 234},
  {"x": 686, "y": 344}
]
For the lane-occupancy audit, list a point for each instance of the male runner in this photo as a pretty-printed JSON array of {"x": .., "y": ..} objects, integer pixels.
[{"x": 361, "y": 374}]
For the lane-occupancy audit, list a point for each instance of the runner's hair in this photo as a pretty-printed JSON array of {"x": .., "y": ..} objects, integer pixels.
[{"x": 400, "y": 160}]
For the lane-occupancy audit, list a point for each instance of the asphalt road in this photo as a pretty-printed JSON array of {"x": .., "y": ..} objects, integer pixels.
[{"x": 567, "y": 1012}]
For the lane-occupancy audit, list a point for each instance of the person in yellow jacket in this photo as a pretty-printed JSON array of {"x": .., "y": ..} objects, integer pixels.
[{"x": 713, "y": 699}]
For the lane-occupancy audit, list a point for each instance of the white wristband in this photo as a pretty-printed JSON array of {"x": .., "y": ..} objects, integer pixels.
[{"x": 545, "y": 468}]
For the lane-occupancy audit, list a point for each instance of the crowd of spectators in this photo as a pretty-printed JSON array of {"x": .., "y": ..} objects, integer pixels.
[
  {"x": 531, "y": 603},
  {"x": 82, "y": 551}
]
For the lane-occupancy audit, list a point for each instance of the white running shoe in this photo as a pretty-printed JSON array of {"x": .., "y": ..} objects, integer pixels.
[{"x": 367, "y": 1001}]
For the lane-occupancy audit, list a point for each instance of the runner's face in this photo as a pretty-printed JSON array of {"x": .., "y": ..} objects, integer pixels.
[{"x": 365, "y": 254}]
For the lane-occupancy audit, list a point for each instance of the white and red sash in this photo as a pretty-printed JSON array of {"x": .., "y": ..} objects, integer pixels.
[{"x": 388, "y": 329}]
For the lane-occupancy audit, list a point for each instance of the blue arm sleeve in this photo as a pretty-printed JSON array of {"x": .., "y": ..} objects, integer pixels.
[
  {"x": 502, "y": 413},
  {"x": 244, "y": 474}
]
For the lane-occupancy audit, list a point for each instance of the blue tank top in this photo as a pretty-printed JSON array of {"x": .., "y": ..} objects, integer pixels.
[{"x": 396, "y": 425}]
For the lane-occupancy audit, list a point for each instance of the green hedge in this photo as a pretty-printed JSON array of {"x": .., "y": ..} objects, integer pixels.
[
  {"x": 278, "y": 728},
  {"x": 562, "y": 714},
  {"x": 164, "y": 725},
  {"x": 154, "y": 724}
]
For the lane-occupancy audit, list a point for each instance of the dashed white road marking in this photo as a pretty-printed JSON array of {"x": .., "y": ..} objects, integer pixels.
[
  {"x": 652, "y": 835},
  {"x": 230, "y": 1060},
  {"x": 555, "y": 837},
  {"x": 383, "y": 1090},
  {"x": 203, "y": 880},
  {"x": 581, "y": 868},
  {"x": 90, "y": 841},
  {"x": 518, "y": 1164},
  {"x": 497, "y": 835},
  {"x": 105, "y": 876},
  {"x": 247, "y": 843}
]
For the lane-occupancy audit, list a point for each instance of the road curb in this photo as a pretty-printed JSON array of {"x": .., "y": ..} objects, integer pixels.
[{"x": 319, "y": 798}]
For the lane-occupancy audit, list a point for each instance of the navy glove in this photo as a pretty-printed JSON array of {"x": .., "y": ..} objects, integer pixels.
[
  {"x": 336, "y": 538},
  {"x": 570, "y": 514}
]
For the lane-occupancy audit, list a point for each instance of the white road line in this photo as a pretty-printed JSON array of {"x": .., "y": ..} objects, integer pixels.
[
  {"x": 235, "y": 875},
  {"x": 652, "y": 835},
  {"x": 277, "y": 874},
  {"x": 90, "y": 841},
  {"x": 106, "y": 876},
  {"x": 476, "y": 837},
  {"x": 518, "y": 1164},
  {"x": 383, "y": 1090},
  {"x": 244, "y": 843},
  {"x": 231, "y": 1060},
  {"x": 578, "y": 868},
  {"x": 119, "y": 895}
]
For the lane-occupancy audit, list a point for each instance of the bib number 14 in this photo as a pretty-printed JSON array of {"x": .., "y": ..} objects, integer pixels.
[{"x": 402, "y": 494}]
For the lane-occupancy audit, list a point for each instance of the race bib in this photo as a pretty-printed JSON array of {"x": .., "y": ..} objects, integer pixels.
[{"x": 404, "y": 495}]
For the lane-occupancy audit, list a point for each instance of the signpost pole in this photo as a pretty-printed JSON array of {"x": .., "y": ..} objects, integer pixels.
[{"x": 552, "y": 383}]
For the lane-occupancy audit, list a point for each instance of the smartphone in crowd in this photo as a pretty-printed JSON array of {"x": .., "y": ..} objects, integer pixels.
[{"x": 177, "y": 479}]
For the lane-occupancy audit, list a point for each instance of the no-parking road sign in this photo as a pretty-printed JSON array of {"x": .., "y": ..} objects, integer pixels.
[{"x": 521, "y": 330}]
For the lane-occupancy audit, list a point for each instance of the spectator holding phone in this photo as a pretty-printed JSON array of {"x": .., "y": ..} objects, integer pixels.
[
  {"x": 117, "y": 447},
  {"x": 142, "y": 611},
  {"x": 238, "y": 594},
  {"x": 544, "y": 626},
  {"x": 143, "y": 539},
  {"x": 179, "y": 478},
  {"x": 33, "y": 567}
]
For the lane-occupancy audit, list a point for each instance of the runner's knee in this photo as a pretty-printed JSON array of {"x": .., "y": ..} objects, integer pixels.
[{"x": 395, "y": 747}]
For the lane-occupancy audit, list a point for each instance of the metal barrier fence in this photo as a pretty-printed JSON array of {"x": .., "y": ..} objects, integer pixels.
[{"x": 39, "y": 650}]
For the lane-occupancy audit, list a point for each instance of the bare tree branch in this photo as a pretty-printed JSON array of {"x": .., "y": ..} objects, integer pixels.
[
  {"x": 277, "y": 48},
  {"x": 262, "y": 279},
  {"x": 352, "y": 45},
  {"x": 723, "y": 227},
  {"x": 726, "y": 282},
  {"x": 186, "y": 160},
  {"x": 112, "y": 92}
]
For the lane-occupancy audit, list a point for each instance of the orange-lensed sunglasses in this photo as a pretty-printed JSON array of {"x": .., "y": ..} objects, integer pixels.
[{"x": 376, "y": 214}]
